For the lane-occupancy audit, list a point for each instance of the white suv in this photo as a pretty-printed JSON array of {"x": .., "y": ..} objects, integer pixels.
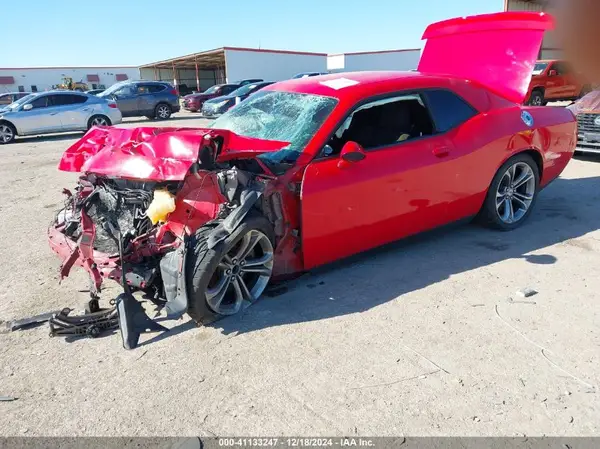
[{"x": 54, "y": 112}]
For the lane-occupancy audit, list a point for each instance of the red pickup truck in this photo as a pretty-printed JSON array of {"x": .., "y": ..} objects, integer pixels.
[{"x": 554, "y": 80}]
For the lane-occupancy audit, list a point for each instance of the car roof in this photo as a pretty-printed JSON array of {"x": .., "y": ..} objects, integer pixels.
[{"x": 357, "y": 84}]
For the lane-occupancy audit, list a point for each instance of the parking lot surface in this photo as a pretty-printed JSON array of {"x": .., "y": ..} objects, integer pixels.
[{"x": 424, "y": 337}]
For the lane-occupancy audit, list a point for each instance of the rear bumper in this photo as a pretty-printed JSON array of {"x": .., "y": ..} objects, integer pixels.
[
  {"x": 115, "y": 116},
  {"x": 175, "y": 107}
]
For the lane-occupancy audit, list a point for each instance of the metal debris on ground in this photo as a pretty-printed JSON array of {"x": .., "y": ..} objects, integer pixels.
[
  {"x": 526, "y": 292},
  {"x": 89, "y": 325},
  {"x": 33, "y": 321},
  {"x": 7, "y": 398}
]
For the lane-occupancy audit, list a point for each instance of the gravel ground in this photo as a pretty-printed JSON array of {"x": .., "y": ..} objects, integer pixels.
[{"x": 425, "y": 337}]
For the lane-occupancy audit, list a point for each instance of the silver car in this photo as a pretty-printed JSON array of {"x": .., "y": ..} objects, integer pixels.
[{"x": 54, "y": 112}]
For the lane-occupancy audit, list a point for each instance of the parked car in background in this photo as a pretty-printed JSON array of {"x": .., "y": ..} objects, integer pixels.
[
  {"x": 554, "y": 80},
  {"x": 307, "y": 74},
  {"x": 194, "y": 102},
  {"x": 217, "y": 106},
  {"x": 54, "y": 112},
  {"x": 248, "y": 81},
  {"x": 152, "y": 99},
  {"x": 587, "y": 111},
  {"x": 94, "y": 91},
  {"x": 10, "y": 97}
]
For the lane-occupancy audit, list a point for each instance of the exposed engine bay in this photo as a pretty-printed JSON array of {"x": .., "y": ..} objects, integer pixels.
[{"x": 138, "y": 232}]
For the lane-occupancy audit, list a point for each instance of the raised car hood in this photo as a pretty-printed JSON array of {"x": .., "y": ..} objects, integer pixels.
[
  {"x": 157, "y": 154},
  {"x": 497, "y": 50}
]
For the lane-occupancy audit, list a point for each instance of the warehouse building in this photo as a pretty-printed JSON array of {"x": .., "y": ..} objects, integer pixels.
[
  {"x": 34, "y": 79},
  {"x": 229, "y": 64},
  {"x": 407, "y": 59},
  {"x": 199, "y": 71},
  {"x": 550, "y": 49}
]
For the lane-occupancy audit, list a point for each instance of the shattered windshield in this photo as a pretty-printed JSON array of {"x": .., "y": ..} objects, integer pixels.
[
  {"x": 285, "y": 116},
  {"x": 539, "y": 68}
]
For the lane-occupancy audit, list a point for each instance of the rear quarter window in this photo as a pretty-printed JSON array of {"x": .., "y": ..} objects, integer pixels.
[
  {"x": 155, "y": 88},
  {"x": 448, "y": 109}
]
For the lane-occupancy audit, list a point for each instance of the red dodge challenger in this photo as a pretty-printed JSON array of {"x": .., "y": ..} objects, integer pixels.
[{"x": 312, "y": 170}]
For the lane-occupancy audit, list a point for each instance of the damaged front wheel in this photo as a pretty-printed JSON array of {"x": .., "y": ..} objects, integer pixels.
[{"x": 228, "y": 278}]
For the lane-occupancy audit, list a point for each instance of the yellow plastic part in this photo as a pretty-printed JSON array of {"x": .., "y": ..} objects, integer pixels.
[{"x": 161, "y": 206}]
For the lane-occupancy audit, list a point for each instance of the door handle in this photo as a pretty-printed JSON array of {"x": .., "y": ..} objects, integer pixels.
[
  {"x": 441, "y": 151},
  {"x": 53, "y": 113}
]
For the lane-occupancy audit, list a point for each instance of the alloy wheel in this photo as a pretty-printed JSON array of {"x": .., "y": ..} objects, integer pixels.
[
  {"x": 163, "y": 112},
  {"x": 99, "y": 121},
  {"x": 537, "y": 100},
  {"x": 6, "y": 133},
  {"x": 242, "y": 274},
  {"x": 515, "y": 193}
]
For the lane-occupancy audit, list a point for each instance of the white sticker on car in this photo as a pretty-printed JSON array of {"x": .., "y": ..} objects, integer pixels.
[{"x": 339, "y": 83}]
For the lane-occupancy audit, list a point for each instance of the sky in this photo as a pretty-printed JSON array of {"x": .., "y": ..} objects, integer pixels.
[{"x": 135, "y": 32}]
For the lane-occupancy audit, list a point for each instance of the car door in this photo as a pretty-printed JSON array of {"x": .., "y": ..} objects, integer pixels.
[
  {"x": 41, "y": 118},
  {"x": 403, "y": 186},
  {"x": 146, "y": 96},
  {"x": 555, "y": 82},
  {"x": 74, "y": 113},
  {"x": 127, "y": 101},
  {"x": 571, "y": 86}
]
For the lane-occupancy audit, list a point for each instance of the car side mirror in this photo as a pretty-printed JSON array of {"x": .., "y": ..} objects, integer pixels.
[
  {"x": 351, "y": 153},
  {"x": 552, "y": 73},
  {"x": 27, "y": 107}
]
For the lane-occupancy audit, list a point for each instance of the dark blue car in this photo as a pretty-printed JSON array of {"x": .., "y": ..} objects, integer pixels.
[{"x": 219, "y": 105}]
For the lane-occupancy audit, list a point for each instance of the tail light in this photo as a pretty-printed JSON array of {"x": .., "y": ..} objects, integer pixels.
[
  {"x": 174, "y": 92},
  {"x": 112, "y": 105}
]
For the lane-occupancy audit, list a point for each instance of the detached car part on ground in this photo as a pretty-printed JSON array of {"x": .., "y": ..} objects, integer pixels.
[{"x": 309, "y": 171}]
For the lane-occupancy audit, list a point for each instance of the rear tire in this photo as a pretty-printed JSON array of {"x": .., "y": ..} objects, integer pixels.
[
  {"x": 7, "y": 133},
  {"x": 537, "y": 98},
  {"x": 162, "y": 111},
  {"x": 208, "y": 269},
  {"x": 98, "y": 120},
  {"x": 512, "y": 194}
]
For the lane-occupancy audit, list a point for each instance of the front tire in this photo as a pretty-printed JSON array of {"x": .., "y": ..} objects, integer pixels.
[
  {"x": 512, "y": 194},
  {"x": 162, "y": 111},
  {"x": 228, "y": 278},
  {"x": 7, "y": 133}
]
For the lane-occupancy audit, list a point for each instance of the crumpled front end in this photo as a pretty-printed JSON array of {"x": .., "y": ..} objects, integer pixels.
[{"x": 143, "y": 195}]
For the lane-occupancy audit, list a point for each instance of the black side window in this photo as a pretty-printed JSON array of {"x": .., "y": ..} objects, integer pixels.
[
  {"x": 384, "y": 122},
  {"x": 225, "y": 90},
  {"x": 40, "y": 102},
  {"x": 155, "y": 88},
  {"x": 561, "y": 68},
  {"x": 78, "y": 99},
  {"x": 125, "y": 91},
  {"x": 448, "y": 109},
  {"x": 67, "y": 99}
]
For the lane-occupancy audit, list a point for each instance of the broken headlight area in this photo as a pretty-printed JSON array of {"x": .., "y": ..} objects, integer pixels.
[{"x": 137, "y": 233}]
